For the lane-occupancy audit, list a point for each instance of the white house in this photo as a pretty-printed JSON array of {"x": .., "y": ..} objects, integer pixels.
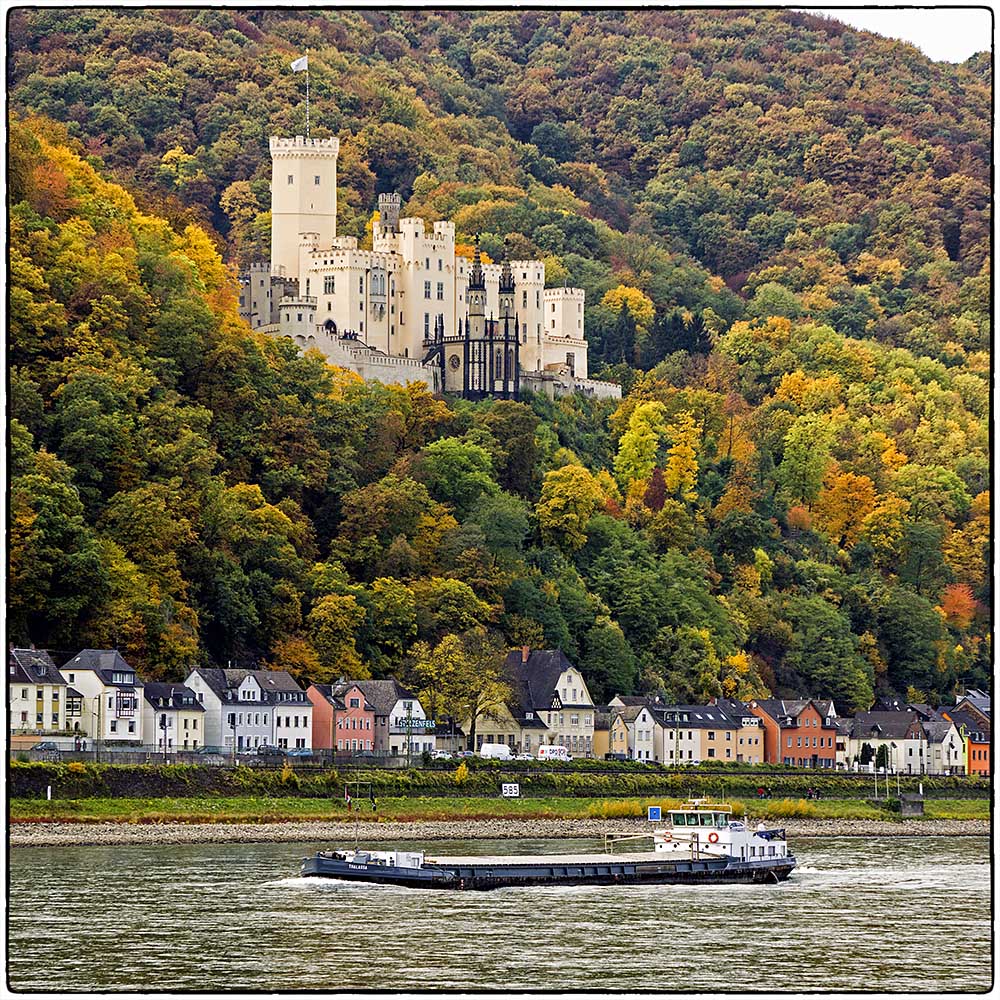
[
  {"x": 110, "y": 696},
  {"x": 172, "y": 717},
  {"x": 245, "y": 709}
]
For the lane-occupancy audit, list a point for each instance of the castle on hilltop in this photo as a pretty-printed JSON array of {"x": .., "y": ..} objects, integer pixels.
[{"x": 409, "y": 309}]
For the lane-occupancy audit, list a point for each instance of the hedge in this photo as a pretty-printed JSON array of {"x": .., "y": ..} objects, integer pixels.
[{"x": 78, "y": 781}]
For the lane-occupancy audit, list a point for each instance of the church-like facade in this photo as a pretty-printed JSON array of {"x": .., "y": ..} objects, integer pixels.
[{"x": 409, "y": 309}]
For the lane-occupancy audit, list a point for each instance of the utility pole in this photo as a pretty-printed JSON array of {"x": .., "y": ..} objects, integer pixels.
[{"x": 409, "y": 730}]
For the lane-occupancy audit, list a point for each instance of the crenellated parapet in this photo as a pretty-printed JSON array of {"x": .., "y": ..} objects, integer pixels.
[{"x": 282, "y": 147}]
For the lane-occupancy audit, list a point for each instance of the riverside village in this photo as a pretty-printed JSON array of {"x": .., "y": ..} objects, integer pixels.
[{"x": 91, "y": 704}]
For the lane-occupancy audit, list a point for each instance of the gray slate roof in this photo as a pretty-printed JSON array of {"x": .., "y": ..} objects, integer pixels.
[
  {"x": 175, "y": 696},
  {"x": 882, "y": 725},
  {"x": 382, "y": 695},
  {"x": 224, "y": 683},
  {"x": 973, "y": 726},
  {"x": 698, "y": 717},
  {"x": 937, "y": 731},
  {"x": 334, "y": 694},
  {"x": 34, "y": 666},
  {"x": 781, "y": 708},
  {"x": 105, "y": 663}
]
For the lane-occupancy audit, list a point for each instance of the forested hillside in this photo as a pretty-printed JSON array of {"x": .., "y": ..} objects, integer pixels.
[{"x": 783, "y": 233}]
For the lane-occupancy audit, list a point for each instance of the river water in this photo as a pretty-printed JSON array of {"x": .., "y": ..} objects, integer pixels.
[{"x": 892, "y": 914}]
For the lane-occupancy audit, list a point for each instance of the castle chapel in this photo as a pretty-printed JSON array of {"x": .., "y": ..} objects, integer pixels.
[{"x": 409, "y": 309}]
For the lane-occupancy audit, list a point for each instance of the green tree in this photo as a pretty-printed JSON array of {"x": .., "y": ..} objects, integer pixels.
[
  {"x": 569, "y": 498},
  {"x": 334, "y": 623},
  {"x": 462, "y": 677}
]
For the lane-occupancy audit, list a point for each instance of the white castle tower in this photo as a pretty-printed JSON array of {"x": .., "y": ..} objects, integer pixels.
[{"x": 303, "y": 197}]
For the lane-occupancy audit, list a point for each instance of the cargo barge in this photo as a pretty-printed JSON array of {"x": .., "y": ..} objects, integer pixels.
[{"x": 703, "y": 844}]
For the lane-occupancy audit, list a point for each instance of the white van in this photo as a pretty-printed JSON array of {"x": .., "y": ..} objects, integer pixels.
[
  {"x": 555, "y": 752},
  {"x": 496, "y": 751}
]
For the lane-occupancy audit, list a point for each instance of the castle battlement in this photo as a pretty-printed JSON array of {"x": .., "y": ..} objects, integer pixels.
[{"x": 300, "y": 144}]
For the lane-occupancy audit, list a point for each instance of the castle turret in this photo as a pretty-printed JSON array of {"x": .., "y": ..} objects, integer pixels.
[{"x": 388, "y": 213}]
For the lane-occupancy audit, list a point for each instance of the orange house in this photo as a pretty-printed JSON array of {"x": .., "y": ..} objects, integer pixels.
[
  {"x": 799, "y": 733},
  {"x": 342, "y": 718}
]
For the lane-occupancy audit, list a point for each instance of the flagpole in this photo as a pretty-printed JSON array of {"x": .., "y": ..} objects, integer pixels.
[{"x": 307, "y": 93}]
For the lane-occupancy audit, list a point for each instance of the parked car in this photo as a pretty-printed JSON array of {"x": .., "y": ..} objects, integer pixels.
[
  {"x": 440, "y": 755},
  {"x": 301, "y": 753},
  {"x": 466, "y": 753},
  {"x": 524, "y": 756},
  {"x": 265, "y": 750},
  {"x": 46, "y": 745},
  {"x": 364, "y": 755},
  {"x": 616, "y": 756},
  {"x": 495, "y": 751}
]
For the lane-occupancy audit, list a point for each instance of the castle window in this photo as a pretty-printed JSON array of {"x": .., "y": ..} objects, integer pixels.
[
  {"x": 524, "y": 300},
  {"x": 361, "y": 285},
  {"x": 538, "y": 299},
  {"x": 440, "y": 263},
  {"x": 427, "y": 289},
  {"x": 440, "y": 291},
  {"x": 316, "y": 180},
  {"x": 427, "y": 323},
  {"x": 291, "y": 178},
  {"x": 427, "y": 263},
  {"x": 298, "y": 316},
  {"x": 553, "y": 309},
  {"x": 329, "y": 284}
]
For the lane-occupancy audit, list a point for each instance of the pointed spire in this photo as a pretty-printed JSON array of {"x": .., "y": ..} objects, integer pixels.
[
  {"x": 506, "y": 278},
  {"x": 476, "y": 279}
]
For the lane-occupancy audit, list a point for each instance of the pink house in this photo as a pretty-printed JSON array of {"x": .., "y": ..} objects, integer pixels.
[{"x": 342, "y": 718}]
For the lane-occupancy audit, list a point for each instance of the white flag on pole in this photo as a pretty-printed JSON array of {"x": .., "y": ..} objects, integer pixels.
[{"x": 300, "y": 64}]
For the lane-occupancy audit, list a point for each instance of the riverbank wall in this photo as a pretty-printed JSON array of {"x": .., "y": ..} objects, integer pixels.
[{"x": 345, "y": 833}]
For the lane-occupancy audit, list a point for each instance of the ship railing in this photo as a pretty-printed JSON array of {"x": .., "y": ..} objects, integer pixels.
[{"x": 610, "y": 839}]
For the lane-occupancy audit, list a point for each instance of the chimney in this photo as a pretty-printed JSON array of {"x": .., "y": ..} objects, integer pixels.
[{"x": 525, "y": 650}]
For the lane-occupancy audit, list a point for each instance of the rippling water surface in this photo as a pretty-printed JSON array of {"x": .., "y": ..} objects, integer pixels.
[{"x": 890, "y": 914}]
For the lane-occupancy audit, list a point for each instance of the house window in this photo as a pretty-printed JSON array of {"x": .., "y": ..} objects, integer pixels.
[
  {"x": 440, "y": 291},
  {"x": 427, "y": 289},
  {"x": 711, "y": 735},
  {"x": 114, "y": 726},
  {"x": 355, "y": 703},
  {"x": 291, "y": 178},
  {"x": 316, "y": 180}
]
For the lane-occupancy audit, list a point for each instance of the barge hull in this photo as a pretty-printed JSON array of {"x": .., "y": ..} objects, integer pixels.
[{"x": 485, "y": 877}]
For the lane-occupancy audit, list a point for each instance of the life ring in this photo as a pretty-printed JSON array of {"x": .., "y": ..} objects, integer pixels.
[
  {"x": 667, "y": 837},
  {"x": 713, "y": 837}
]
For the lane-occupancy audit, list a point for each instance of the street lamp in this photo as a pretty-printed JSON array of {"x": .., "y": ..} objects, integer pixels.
[{"x": 95, "y": 713}]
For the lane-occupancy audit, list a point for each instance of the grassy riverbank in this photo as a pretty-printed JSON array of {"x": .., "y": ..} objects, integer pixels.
[{"x": 244, "y": 809}]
